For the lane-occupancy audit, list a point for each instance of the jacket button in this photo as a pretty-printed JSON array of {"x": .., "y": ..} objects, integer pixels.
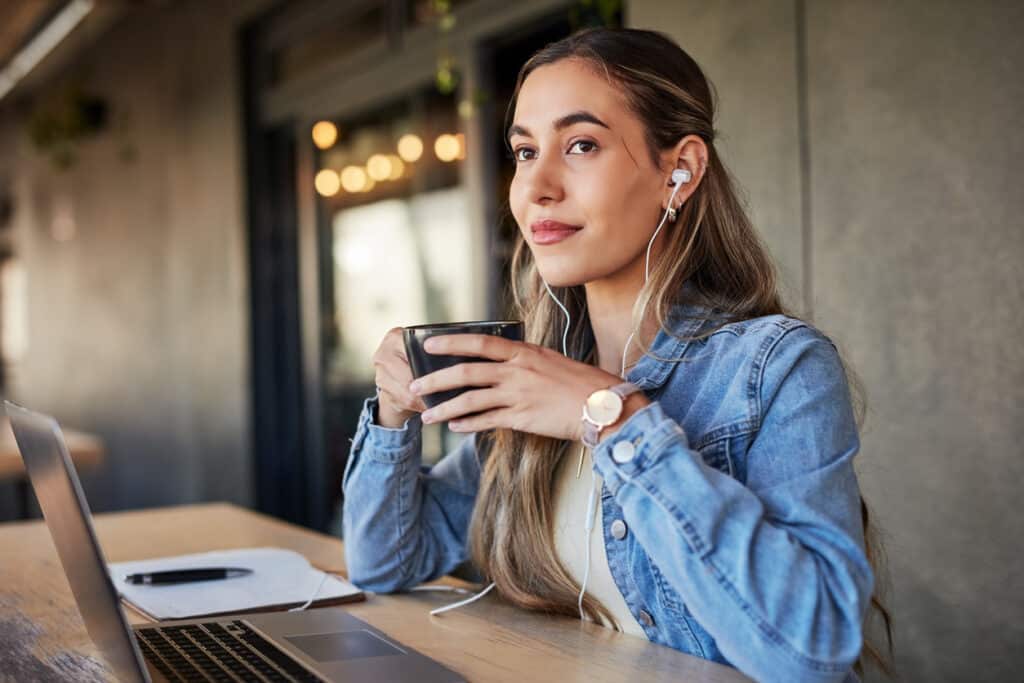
[
  {"x": 645, "y": 618},
  {"x": 619, "y": 529},
  {"x": 623, "y": 452}
]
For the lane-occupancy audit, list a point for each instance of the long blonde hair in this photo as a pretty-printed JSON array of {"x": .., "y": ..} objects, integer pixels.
[{"x": 711, "y": 258}]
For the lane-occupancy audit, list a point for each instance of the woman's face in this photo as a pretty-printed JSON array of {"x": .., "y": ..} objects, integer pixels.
[{"x": 586, "y": 194}]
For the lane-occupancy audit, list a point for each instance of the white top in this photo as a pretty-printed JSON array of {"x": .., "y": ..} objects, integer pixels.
[{"x": 571, "y": 496}]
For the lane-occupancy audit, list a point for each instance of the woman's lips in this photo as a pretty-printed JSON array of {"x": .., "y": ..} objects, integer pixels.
[{"x": 550, "y": 232}]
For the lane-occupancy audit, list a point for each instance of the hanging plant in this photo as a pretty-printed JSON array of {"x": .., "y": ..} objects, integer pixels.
[
  {"x": 446, "y": 75},
  {"x": 583, "y": 14},
  {"x": 57, "y": 127},
  {"x": 595, "y": 14}
]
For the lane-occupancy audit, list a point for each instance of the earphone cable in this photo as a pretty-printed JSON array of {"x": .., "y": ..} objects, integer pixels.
[
  {"x": 462, "y": 603},
  {"x": 312, "y": 597},
  {"x": 588, "y": 525},
  {"x": 568, "y": 319}
]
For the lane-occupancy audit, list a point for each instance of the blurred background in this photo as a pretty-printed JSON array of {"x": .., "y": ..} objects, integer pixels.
[{"x": 212, "y": 211}]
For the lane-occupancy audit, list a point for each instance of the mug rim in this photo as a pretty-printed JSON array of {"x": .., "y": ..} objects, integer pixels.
[{"x": 442, "y": 326}]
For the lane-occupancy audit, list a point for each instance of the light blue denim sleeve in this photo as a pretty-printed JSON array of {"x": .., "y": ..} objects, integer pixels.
[
  {"x": 403, "y": 523},
  {"x": 775, "y": 570}
]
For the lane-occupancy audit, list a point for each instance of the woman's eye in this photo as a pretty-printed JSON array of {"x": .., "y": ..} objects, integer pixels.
[
  {"x": 582, "y": 147},
  {"x": 522, "y": 154}
]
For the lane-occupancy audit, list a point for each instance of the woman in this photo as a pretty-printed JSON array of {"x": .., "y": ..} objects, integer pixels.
[{"x": 720, "y": 479}]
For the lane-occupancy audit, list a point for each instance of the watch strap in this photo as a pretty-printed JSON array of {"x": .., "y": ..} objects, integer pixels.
[{"x": 625, "y": 389}]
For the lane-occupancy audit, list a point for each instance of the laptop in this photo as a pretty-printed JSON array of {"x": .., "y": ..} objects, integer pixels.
[{"x": 323, "y": 644}]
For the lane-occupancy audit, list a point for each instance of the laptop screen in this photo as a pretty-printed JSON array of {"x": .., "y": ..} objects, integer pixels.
[{"x": 64, "y": 507}]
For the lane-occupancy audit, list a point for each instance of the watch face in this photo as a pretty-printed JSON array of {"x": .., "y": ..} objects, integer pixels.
[{"x": 604, "y": 407}]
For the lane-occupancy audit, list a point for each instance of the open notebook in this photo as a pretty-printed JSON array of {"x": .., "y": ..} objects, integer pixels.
[{"x": 281, "y": 579}]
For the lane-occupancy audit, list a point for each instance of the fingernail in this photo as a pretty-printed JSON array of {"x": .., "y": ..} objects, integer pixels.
[
  {"x": 427, "y": 417},
  {"x": 429, "y": 344},
  {"x": 455, "y": 426},
  {"x": 414, "y": 387}
]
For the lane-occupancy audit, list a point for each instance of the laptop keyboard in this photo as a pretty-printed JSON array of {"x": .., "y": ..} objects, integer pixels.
[{"x": 218, "y": 651}]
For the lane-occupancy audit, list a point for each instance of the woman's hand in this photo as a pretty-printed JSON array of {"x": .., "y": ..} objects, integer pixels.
[
  {"x": 530, "y": 389},
  {"x": 393, "y": 374}
]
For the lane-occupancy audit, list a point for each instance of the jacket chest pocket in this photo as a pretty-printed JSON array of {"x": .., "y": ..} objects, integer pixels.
[{"x": 716, "y": 454}]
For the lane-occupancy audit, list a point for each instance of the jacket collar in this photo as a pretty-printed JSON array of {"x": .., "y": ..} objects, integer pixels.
[{"x": 654, "y": 367}]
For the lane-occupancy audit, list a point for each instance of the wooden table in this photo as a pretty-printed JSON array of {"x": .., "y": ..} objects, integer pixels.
[
  {"x": 85, "y": 450},
  {"x": 42, "y": 636}
]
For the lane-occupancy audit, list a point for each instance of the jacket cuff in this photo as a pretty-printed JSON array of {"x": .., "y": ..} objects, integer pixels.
[
  {"x": 382, "y": 443},
  {"x": 636, "y": 446}
]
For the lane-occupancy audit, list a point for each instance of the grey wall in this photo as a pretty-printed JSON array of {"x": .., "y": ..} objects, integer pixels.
[
  {"x": 909, "y": 254},
  {"x": 757, "y": 128},
  {"x": 138, "y": 325}
]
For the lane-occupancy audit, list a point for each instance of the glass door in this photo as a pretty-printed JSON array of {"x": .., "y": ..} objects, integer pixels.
[
  {"x": 397, "y": 233},
  {"x": 396, "y": 216}
]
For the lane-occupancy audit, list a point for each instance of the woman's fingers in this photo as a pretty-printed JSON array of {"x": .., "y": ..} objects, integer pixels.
[
  {"x": 393, "y": 381},
  {"x": 392, "y": 375},
  {"x": 481, "y": 345},
  {"x": 465, "y": 404},
  {"x": 400, "y": 395},
  {"x": 492, "y": 419},
  {"x": 402, "y": 375},
  {"x": 456, "y": 376}
]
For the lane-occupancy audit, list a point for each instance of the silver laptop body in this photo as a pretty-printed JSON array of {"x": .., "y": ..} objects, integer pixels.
[{"x": 324, "y": 644}]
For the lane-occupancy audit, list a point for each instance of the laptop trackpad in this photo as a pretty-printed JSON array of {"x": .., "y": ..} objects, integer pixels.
[{"x": 333, "y": 647}]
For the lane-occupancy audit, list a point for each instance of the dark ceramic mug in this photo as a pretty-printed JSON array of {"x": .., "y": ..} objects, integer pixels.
[{"x": 423, "y": 363}]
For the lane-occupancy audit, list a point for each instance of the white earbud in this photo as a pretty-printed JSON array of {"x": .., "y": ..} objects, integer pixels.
[{"x": 681, "y": 175}]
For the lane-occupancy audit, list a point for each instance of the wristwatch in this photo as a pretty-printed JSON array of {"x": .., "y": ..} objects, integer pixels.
[{"x": 603, "y": 408}]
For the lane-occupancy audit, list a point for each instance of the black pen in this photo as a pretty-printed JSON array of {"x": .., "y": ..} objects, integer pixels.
[{"x": 188, "y": 575}]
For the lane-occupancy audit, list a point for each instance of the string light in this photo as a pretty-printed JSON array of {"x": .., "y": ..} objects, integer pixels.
[
  {"x": 446, "y": 147},
  {"x": 410, "y": 147},
  {"x": 397, "y": 167},
  {"x": 379, "y": 167},
  {"x": 325, "y": 134},
  {"x": 327, "y": 182},
  {"x": 354, "y": 179}
]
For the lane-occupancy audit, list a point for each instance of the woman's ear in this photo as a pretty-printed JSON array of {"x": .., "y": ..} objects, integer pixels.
[{"x": 689, "y": 155}]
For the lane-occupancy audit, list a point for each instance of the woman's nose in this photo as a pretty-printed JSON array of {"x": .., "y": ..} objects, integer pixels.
[{"x": 544, "y": 182}]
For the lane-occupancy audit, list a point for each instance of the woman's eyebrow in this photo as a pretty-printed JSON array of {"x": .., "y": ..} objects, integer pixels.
[{"x": 564, "y": 122}]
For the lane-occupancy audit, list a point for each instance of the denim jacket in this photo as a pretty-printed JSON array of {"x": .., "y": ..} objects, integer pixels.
[{"x": 743, "y": 544}]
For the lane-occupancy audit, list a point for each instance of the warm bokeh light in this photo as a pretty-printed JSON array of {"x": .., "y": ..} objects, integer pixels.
[
  {"x": 327, "y": 182},
  {"x": 446, "y": 147},
  {"x": 410, "y": 147},
  {"x": 354, "y": 179},
  {"x": 325, "y": 134},
  {"x": 461, "y": 139},
  {"x": 397, "y": 167},
  {"x": 379, "y": 167}
]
